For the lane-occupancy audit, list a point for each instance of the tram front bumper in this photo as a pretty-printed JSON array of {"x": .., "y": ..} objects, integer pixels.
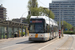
[{"x": 37, "y": 39}]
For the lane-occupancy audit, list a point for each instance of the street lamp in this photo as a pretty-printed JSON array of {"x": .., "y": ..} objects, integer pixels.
[{"x": 59, "y": 21}]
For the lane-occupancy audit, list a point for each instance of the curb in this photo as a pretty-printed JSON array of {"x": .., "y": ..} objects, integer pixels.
[{"x": 9, "y": 39}]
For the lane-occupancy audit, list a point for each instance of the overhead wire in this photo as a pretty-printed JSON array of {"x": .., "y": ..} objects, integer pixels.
[{"x": 41, "y": 3}]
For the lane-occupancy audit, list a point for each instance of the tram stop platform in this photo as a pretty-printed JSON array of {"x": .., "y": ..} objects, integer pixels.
[{"x": 9, "y": 39}]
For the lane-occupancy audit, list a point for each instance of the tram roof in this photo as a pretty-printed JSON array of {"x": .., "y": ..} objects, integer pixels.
[{"x": 47, "y": 19}]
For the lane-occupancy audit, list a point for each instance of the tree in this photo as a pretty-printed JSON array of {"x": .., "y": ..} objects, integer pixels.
[
  {"x": 46, "y": 12},
  {"x": 33, "y": 8},
  {"x": 66, "y": 25},
  {"x": 28, "y": 18},
  {"x": 35, "y": 11},
  {"x": 32, "y": 4},
  {"x": 38, "y": 11}
]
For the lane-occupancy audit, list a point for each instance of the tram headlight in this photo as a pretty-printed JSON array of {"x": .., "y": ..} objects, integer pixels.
[{"x": 31, "y": 35}]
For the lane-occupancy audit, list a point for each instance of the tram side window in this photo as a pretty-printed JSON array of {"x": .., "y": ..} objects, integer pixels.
[
  {"x": 54, "y": 29},
  {"x": 47, "y": 28},
  {"x": 32, "y": 28}
]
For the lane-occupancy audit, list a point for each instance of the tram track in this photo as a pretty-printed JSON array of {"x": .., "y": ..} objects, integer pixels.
[
  {"x": 36, "y": 44},
  {"x": 64, "y": 43},
  {"x": 67, "y": 45},
  {"x": 72, "y": 43}
]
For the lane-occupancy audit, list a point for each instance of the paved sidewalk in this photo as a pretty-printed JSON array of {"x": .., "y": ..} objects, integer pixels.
[{"x": 9, "y": 39}]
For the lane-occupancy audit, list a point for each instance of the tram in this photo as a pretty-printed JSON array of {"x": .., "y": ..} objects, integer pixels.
[{"x": 42, "y": 28}]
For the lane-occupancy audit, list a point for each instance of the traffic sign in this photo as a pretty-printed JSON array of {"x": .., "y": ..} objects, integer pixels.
[{"x": 66, "y": 29}]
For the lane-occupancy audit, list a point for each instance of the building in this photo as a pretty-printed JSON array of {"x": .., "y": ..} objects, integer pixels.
[
  {"x": 2, "y": 12},
  {"x": 16, "y": 20},
  {"x": 65, "y": 9},
  {"x": 22, "y": 20}
]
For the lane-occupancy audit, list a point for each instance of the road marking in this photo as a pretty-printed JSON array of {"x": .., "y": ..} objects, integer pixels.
[
  {"x": 48, "y": 45},
  {"x": 10, "y": 46}
]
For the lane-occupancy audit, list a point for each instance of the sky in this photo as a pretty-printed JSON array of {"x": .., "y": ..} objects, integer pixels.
[{"x": 18, "y": 8}]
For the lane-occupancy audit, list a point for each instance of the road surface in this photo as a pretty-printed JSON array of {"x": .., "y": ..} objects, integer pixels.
[{"x": 65, "y": 43}]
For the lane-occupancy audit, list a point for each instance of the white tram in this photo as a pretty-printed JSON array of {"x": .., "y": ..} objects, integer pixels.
[{"x": 42, "y": 28}]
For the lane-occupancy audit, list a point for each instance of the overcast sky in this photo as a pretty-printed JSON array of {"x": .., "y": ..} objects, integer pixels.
[{"x": 17, "y": 8}]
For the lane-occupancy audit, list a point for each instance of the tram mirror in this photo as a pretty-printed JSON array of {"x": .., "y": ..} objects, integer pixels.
[{"x": 47, "y": 24}]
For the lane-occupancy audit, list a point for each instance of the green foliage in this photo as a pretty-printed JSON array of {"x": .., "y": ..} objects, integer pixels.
[
  {"x": 66, "y": 25},
  {"x": 38, "y": 11},
  {"x": 28, "y": 18},
  {"x": 33, "y": 8},
  {"x": 69, "y": 32},
  {"x": 32, "y": 4},
  {"x": 46, "y": 12},
  {"x": 35, "y": 11}
]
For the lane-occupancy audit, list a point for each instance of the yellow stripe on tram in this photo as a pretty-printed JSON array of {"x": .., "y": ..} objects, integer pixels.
[{"x": 36, "y": 35}]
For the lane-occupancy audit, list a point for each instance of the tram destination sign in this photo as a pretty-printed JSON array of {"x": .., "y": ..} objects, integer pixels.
[{"x": 36, "y": 21}]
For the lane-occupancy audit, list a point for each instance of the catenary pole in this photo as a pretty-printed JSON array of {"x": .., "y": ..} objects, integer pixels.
[
  {"x": 59, "y": 21},
  {"x": 62, "y": 23}
]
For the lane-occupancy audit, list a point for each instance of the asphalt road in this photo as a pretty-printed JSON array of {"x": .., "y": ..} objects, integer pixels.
[{"x": 65, "y": 43}]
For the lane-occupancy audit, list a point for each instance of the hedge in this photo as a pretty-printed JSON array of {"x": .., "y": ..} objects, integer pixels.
[{"x": 69, "y": 32}]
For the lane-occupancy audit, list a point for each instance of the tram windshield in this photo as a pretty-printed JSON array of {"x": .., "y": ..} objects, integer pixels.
[{"x": 36, "y": 27}]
